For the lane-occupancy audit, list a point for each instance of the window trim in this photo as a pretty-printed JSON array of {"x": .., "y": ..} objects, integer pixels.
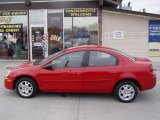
[
  {"x": 87, "y": 65},
  {"x": 85, "y": 59}
]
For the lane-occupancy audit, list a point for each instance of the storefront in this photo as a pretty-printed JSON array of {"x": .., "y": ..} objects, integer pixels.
[
  {"x": 35, "y": 29},
  {"x": 58, "y": 29},
  {"x": 50, "y": 31}
]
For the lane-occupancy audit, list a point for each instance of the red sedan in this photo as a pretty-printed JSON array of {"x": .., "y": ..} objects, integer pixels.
[{"x": 84, "y": 69}]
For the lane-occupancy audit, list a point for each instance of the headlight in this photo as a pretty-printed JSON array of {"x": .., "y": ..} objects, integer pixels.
[{"x": 8, "y": 73}]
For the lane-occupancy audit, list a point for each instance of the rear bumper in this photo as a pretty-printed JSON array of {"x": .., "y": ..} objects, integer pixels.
[
  {"x": 8, "y": 82},
  {"x": 149, "y": 82}
]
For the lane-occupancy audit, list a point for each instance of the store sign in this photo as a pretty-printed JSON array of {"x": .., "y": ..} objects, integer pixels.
[
  {"x": 92, "y": 12},
  {"x": 11, "y": 28},
  {"x": 107, "y": 36},
  {"x": 38, "y": 44},
  {"x": 118, "y": 34},
  {"x": 12, "y": 39},
  {"x": 55, "y": 38},
  {"x": 154, "y": 38},
  {"x": 5, "y": 19},
  {"x": 12, "y": 13}
]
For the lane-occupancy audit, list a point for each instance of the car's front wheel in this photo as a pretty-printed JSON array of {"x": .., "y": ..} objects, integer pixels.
[
  {"x": 26, "y": 87},
  {"x": 126, "y": 91}
]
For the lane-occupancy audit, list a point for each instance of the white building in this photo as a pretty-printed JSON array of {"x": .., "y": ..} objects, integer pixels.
[{"x": 128, "y": 31}]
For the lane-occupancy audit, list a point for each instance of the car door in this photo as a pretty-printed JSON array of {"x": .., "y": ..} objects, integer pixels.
[
  {"x": 101, "y": 72},
  {"x": 65, "y": 74}
]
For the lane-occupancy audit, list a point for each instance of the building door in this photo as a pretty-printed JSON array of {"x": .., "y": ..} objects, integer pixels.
[
  {"x": 39, "y": 41},
  {"x": 38, "y": 34}
]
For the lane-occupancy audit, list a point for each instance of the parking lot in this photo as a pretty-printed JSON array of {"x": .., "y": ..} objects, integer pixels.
[{"x": 55, "y": 106}]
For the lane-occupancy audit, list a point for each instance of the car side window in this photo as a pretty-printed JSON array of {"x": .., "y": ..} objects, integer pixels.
[
  {"x": 98, "y": 58},
  {"x": 70, "y": 60}
]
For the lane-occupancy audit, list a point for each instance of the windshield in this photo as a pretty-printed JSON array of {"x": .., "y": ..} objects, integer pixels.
[
  {"x": 41, "y": 61},
  {"x": 124, "y": 54}
]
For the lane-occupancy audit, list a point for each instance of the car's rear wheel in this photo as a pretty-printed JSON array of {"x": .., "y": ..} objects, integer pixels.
[
  {"x": 126, "y": 91},
  {"x": 26, "y": 87}
]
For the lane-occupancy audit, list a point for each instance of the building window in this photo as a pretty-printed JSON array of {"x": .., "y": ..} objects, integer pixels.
[
  {"x": 55, "y": 31},
  {"x": 13, "y": 35},
  {"x": 80, "y": 26}
]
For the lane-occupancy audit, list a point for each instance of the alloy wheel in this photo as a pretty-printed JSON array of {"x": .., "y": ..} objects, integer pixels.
[
  {"x": 25, "y": 88},
  {"x": 126, "y": 92}
]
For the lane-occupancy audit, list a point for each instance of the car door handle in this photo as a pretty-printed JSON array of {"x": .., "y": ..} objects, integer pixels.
[
  {"x": 76, "y": 73},
  {"x": 114, "y": 72}
]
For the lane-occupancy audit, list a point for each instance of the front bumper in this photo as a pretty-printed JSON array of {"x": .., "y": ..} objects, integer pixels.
[{"x": 8, "y": 82}]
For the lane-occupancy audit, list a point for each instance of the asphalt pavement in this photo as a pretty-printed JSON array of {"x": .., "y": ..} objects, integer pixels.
[{"x": 55, "y": 106}]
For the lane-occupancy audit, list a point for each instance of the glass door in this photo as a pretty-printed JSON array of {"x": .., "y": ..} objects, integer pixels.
[
  {"x": 38, "y": 34},
  {"x": 39, "y": 42}
]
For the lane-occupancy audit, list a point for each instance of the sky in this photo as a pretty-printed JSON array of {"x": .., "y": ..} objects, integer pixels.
[{"x": 151, "y": 6}]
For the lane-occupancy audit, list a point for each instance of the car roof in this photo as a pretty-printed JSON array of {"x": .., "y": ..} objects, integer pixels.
[{"x": 86, "y": 47}]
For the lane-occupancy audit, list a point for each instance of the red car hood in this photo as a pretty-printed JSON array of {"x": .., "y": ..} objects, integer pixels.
[
  {"x": 142, "y": 59},
  {"x": 27, "y": 64}
]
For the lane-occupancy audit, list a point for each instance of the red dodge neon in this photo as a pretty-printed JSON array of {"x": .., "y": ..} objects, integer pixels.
[{"x": 84, "y": 69}]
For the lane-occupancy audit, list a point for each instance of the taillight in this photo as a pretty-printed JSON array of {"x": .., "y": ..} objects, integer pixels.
[{"x": 151, "y": 68}]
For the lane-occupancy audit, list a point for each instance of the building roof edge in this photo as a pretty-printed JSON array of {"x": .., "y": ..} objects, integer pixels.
[{"x": 131, "y": 12}]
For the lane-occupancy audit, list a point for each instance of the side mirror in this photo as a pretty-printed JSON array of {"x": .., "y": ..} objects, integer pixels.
[{"x": 49, "y": 66}]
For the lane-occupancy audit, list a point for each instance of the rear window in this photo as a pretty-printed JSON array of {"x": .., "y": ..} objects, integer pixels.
[
  {"x": 98, "y": 58},
  {"x": 124, "y": 54}
]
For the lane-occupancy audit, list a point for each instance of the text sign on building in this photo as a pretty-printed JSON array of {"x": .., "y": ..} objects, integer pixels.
[
  {"x": 11, "y": 28},
  {"x": 5, "y": 19},
  {"x": 118, "y": 34},
  {"x": 12, "y": 13},
  {"x": 91, "y": 12},
  {"x": 154, "y": 38}
]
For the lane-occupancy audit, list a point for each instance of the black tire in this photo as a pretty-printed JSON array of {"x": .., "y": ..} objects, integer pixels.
[
  {"x": 121, "y": 88},
  {"x": 26, "y": 87}
]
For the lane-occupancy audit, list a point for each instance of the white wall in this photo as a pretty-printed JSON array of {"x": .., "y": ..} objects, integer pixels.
[{"x": 135, "y": 28}]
